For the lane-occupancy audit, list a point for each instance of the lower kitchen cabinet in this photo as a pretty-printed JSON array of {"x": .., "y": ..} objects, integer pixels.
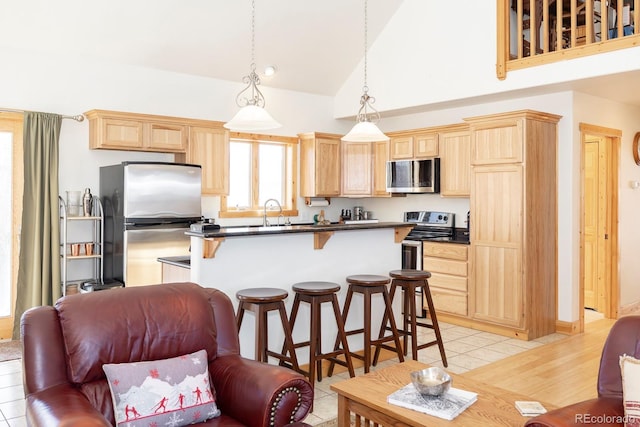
[{"x": 447, "y": 263}]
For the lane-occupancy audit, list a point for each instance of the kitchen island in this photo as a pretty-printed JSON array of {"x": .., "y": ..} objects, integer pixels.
[{"x": 235, "y": 258}]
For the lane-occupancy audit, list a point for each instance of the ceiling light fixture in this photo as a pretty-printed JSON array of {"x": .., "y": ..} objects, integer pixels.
[
  {"x": 270, "y": 70},
  {"x": 365, "y": 129},
  {"x": 252, "y": 115}
]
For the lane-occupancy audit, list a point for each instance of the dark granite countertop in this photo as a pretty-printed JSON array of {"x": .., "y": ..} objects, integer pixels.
[
  {"x": 297, "y": 228},
  {"x": 178, "y": 261}
]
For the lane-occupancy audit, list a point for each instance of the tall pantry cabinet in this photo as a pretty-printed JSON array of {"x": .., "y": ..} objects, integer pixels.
[{"x": 514, "y": 222}]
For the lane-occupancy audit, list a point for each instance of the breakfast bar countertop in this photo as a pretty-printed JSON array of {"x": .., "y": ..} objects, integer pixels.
[{"x": 296, "y": 228}]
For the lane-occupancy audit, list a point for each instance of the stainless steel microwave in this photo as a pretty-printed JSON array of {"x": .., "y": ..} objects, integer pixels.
[{"x": 413, "y": 176}]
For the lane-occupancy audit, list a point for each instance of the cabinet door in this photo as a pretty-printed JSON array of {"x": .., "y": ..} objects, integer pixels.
[
  {"x": 356, "y": 169},
  {"x": 497, "y": 244},
  {"x": 166, "y": 137},
  {"x": 327, "y": 167},
  {"x": 402, "y": 148},
  {"x": 117, "y": 134},
  {"x": 209, "y": 147},
  {"x": 380, "y": 158},
  {"x": 455, "y": 164},
  {"x": 425, "y": 145},
  {"x": 501, "y": 142}
]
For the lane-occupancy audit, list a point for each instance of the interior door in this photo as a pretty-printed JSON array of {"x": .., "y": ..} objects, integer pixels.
[{"x": 595, "y": 223}]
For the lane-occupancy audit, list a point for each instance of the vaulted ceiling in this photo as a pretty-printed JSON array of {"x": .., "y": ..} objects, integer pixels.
[{"x": 315, "y": 45}]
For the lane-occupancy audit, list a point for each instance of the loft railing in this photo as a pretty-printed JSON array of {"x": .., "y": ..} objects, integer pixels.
[{"x": 534, "y": 32}]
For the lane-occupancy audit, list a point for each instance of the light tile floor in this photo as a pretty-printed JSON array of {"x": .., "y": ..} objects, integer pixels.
[{"x": 466, "y": 349}]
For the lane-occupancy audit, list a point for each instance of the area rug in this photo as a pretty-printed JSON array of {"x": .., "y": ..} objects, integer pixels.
[{"x": 10, "y": 350}]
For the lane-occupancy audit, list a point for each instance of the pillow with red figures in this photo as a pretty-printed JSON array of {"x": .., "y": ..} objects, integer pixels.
[{"x": 174, "y": 392}]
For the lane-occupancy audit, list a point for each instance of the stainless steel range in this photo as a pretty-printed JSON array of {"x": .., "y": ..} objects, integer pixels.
[{"x": 431, "y": 225}]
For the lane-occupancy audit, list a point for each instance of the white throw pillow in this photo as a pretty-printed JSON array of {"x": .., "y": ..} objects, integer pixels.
[{"x": 630, "y": 371}]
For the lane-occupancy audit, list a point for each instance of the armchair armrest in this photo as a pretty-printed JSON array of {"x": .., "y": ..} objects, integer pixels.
[
  {"x": 63, "y": 406},
  {"x": 259, "y": 394}
]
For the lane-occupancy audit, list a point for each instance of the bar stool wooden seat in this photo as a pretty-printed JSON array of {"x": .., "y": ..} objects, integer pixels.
[
  {"x": 315, "y": 294},
  {"x": 261, "y": 301},
  {"x": 409, "y": 281},
  {"x": 367, "y": 285}
]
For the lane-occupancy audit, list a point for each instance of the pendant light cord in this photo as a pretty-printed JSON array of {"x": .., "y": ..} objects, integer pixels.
[
  {"x": 253, "y": 35},
  {"x": 365, "y": 88}
]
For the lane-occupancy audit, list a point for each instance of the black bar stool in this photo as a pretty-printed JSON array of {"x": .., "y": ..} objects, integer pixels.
[
  {"x": 317, "y": 293},
  {"x": 367, "y": 285},
  {"x": 409, "y": 281},
  {"x": 261, "y": 301}
]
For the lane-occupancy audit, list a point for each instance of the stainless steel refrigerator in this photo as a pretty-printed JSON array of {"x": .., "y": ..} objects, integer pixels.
[{"x": 148, "y": 207}]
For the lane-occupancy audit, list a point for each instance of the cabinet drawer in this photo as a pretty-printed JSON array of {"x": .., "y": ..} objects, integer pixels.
[
  {"x": 447, "y": 266},
  {"x": 449, "y": 301},
  {"x": 447, "y": 281},
  {"x": 445, "y": 250}
]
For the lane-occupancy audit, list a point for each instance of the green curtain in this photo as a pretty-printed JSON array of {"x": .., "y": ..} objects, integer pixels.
[{"x": 39, "y": 269}]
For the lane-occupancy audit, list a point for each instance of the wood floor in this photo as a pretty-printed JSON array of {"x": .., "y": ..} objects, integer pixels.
[{"x": 559, "y": 373}]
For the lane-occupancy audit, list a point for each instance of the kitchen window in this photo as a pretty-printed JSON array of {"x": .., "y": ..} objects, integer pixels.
[{"x": 261, "y": 167}]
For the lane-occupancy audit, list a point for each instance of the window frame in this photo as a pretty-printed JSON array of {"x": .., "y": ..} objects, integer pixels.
[{"x": 290, "y": 202}]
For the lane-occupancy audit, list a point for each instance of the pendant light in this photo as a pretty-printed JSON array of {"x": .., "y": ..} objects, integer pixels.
[
  {"x": 365, "y": 129},
  {"x": 252, "y": 115}
]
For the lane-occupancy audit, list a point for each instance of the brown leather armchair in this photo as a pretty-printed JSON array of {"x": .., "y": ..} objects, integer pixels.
[
  {"x": 66, "y": 345},
  {"x": 624, "y": 338}
]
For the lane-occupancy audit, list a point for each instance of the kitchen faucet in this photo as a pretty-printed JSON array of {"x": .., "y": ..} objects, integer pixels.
[{"x": 265, "y": 223}]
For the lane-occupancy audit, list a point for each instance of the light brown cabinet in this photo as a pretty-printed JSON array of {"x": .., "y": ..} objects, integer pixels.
[
  {"x": 364, "y": 168},
  {"x": 380, "y": 159},
  {"x": 209, "y": 148},
  {"x": 414, "y": 146},
  {"x": 447, "y": 263},
  {"x": 455, "y": 163},
  {"x": 115, "y": 130},
  {"x": 319, "y": 164},
  {"x": 513, "y": 216},
  {"x": 357, "y": 161}
]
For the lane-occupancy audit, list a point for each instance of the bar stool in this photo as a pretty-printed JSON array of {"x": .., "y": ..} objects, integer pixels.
[
  {"x": 317, "y": 293},
  {"x": 409, "y": 281},
  {"x": 367, "y": 285},
  {"x": 261, "y": 301}
]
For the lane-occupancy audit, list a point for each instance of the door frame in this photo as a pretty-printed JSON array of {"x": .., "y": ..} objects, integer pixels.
[
  {"x": 612, "y": 138},
  {"x": 13, "y": 122}
]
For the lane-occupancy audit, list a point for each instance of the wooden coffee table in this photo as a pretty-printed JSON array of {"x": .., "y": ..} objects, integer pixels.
[{"x": 366, "y": 397}]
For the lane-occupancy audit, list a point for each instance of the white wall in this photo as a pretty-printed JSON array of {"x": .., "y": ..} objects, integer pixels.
[
  {"x": 602, "y": 112},
  {"x": 421, "y": 59},
  {"x": 75, "y": 85}
]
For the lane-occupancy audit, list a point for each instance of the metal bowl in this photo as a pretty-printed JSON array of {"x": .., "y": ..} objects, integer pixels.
[{"x": 432, "y": 381}]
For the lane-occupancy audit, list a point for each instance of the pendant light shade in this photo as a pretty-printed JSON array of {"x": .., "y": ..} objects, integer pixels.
[
  {"x": 252, "y": 115},
  {"x": 365, "y": 129},
  {"x": 365, "y": 132},
  {"x": 251, "y": 118}
]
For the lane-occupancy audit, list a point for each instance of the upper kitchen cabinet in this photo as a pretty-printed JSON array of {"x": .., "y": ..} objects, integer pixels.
[
  {"x": 115, "y": 130},
  {"x": 513, "y": 222},
  {"x": 420, "y": 145},
  {"x": 209, "y": 147},
  {"x": 364, "y": 166},
  {"x": 357, "y": 177},
  {"x": 455, "y": 161},
  {"x": 380, "y": 159},
  {"x": 319, "y": 164}
]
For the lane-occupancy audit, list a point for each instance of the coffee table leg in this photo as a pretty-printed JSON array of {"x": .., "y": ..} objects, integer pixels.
[{"x": 344, "y": 418}]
